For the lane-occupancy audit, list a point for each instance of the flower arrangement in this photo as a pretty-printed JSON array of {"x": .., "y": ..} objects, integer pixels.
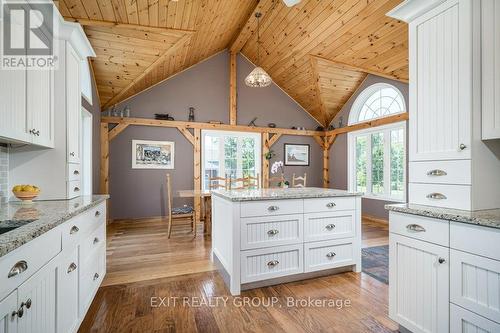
[{"x": 279, "y": 166}]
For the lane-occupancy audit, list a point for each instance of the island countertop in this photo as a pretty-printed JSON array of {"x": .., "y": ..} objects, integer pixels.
[
  {"x": 486, "y": 218},
  {"x": 281, "y": 194},
  {"x": 39, "y": 217}
]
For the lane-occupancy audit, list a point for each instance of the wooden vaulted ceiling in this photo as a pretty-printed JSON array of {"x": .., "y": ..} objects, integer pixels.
[{"x": 318, "y": 51}]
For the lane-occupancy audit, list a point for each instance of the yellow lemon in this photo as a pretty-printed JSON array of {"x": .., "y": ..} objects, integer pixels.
[
  {"x": 17, "y": 188},
  {"x": 28, "y": 188}
]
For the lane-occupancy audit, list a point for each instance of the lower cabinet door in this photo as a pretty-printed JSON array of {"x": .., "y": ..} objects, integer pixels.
[
  {"x": 328, "y": 254},
  {"x": 465, "y": 321},
  {"x": 418, "y": 284},
  {"x": 37, "y": 301},
  {"x": 67, "y": 293},
  {"x": 8, "y": 318}
]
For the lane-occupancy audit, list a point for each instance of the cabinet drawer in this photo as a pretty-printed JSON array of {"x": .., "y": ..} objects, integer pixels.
[
  {"x": 441, "y": 172},
  {"x": 462, "y": 320},
  {"x": 332, "y": 225},
  {"x": 92, "y": 242},
  {"x": 419, "y": 227},
  {"x": 326, "y": 255},
  {"x": 439, "y": 195},
  {"x": 74, "y": 172},
  {"x": 24, "y": 261},
  {"x": 265, "y": 264},
  {"x": 91, "y": 275},
  {"x": 258, "y": 232},
  {"x": 329, "y": 204},
  {"x": 475, "y": 239},
  {"x": 74, "y": 189},
  {"x": 271, "y": 207},
  {"x": 475, "y": 284},
  {"x": 82, "y": 225}
]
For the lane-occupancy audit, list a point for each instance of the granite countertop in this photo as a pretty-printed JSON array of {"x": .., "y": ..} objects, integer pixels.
[
  {"x": 280, "y": 194},
  {"x": 38, "y": 218},
  {"x": 486, "y": 218}
]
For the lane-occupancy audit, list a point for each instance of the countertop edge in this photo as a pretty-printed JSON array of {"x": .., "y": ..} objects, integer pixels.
[{"x": 248, "y": 199}]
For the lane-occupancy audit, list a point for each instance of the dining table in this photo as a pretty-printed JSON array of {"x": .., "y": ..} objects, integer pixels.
[{"x": 206, "y": 206}]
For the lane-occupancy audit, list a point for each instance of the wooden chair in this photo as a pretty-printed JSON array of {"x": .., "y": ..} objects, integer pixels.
[
  {"x": 253, "y": 182},
  {"x": 296, "y": 179},
  {"x": 276, "y": 182},
  {"x": 214, "y": 183},
  {"x": 233, "y": 183},
  {"x": 178, "y": 212}
]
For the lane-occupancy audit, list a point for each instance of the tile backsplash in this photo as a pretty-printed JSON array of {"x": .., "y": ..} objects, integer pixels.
[{"x": 4, "y": 173}]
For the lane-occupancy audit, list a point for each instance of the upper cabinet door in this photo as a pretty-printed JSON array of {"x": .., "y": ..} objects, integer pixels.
[
  {"x": 490, "y": 53},
  {"x": 440, "y": 84},
  {"x": 73, "y": 103},
  {"x": 40, "y": 106}
]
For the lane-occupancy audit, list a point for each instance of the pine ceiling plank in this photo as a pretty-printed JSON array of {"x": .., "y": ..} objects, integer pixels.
[
  {"x": 179, "y": 14},
  {"x": 153, "y": 12},
  {"x": 132, "y": 11},
  {"x": 95, "y": 34},
  {"x": 92, "y": 9},
  {"x": 76, "y": 8},
  {"x": 61, "y": 5},
  {"x": 162, "y": 12},
  {"x": 172, "y": 7},
  {"x": 318, "y": 94},
  {"x": 186, "y": 15},
  {"x": 123, "y": 33},
  {"x": 143, "y": 11},
  {"x": 107, "y": 11},
  {"x": 120, "y": 11}
]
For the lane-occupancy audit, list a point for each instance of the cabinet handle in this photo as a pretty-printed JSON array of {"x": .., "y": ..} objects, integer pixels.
[
  {"x": 415, "y": 227},
  {"x": 436, "y": 196},
  {"x": 331, "y": 254},
  {"x": 73, "y": 230},
  {"x": 76, "y": 172},
  {"x": 462, "y": 146},
  {"x": 76, "y": 189},
  {"x": 436, "y": 172},
  {"x": 96, "y": 276},
  {"x": 19, "y": 313},
  {"x": 72, "y": 154},
  {"x": 71, "y": 267},
  {"x": 272, "y": 208},
  {"x": 330, "y": 226},
  {"x": 331, "y": 204},
  {"x": 273, "y": 263},
  {"x": 37, "y": 133},
  {"x": 28, "y": 303},
  {"x": 96, "y": 240},
  {"x": 18, "y": 268},
  {"x": 97, "y": 213},
  {"x": 441, "y": 260},
  {"x": 273, "y": 232}
]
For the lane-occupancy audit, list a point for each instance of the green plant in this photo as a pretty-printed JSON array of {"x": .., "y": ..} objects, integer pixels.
[{"x": 270, "y": 154}]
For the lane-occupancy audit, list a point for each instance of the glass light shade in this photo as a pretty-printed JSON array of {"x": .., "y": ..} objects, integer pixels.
[{"x": 258, "y": 78}]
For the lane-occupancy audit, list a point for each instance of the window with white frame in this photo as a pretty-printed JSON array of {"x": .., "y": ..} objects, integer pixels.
[
  {"x": 377, "y": 156},
  {"x": 231, "y": 154}
]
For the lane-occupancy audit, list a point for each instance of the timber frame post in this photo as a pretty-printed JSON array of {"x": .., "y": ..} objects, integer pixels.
[
  {"x": 267, "y": 143},
  {"x": 326, "y": 143},
  {"x": 233, "y": 107},
  {"x": 197, "y": 172}
]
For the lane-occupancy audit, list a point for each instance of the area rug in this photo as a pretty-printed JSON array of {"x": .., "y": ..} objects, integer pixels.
[{"x": 375, "y": 262}]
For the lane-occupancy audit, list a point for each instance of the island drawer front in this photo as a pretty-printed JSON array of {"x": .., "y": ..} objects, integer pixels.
[
  {"x": 329, "y": 204},
  {"x": 419, "y": 227},
  {"x": 24, "y": 261},
  {"x": 441, "y": 172},
  {"x": 91, "y": 275},
  {"x": 462, "y": 320},
  {"x": 263, "y": 264},
  {"x": 475, "y": 284},
  {"x": 480, "y": 240},
  {"x": 271, "y": 208},
  {"x": 440, "y": 195},
  {"x": 259, "y": 232},
  {"x": 79, "y": 227},
  {"x": 90, "y": 243},
  {"x": 331, "y": 225},
  {"x": 326, "y": 255}
]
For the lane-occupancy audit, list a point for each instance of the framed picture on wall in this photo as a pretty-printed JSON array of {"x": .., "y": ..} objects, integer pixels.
[
  {"x": 153, "y": 154},
  {"x": 296, "y": 154}
]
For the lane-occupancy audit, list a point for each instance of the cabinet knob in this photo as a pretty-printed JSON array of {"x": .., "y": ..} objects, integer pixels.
[
  {"x": 28, "y": 303},
  {"x": 272, "y": 208},
  {"x": 18, "y": 268},
  {"x": 76, "y": 172},
  {"x": 74, "y": 229},
  {"x": 19, "y": 313},
  {"x": 273, "y": 263},
  {"x": 441, "y": 260},
  {"x": 330, "y": 226},
  {"x": 462, "y": 146},
  {"x": 37, "y": 133},
  {"x": 96, "y": 240},
  {"x": 273, "y": 232},
  {"x": 96, "y": 276},
  {"x": 331, "y": 254},
  {"x": 331, "y": 204},
  {"x": 71, "y": 267},
  {"x": 72, "y": 154},
  {"x": 76, "y": 189},
  {"x": 97, "y": 213}
]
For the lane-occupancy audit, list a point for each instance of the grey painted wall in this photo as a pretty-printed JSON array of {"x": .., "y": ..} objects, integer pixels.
[
  {"x": 4, "y": 173},
  {"x": 338, "y": 153},
  {"x": 141, "y": 193}
]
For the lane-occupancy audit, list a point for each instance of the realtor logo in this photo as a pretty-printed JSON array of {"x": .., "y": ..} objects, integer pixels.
[{"x": 27, "y": 35}]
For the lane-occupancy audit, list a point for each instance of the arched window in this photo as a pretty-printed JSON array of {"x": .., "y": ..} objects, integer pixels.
[
  {"x": 377, "y": 155},
  {"x": 377, "y": 101}
]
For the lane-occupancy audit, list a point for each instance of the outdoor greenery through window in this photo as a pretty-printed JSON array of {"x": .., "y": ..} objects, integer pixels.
[{"x": 231, "y": 154}]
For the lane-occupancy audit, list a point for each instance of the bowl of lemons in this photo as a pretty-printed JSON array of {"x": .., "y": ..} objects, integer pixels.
[{"x": 26, "y": 193}]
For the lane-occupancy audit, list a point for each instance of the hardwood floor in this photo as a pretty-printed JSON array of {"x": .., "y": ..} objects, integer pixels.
[
  {"x": 374, "y": 232},
  {"x": 146, "y": 270}
]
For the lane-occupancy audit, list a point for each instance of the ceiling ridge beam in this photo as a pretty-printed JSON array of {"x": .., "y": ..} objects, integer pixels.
[
  {"x": 242, "y": 36},
  {"x": 157, "y": 62},
  {"x": 358, "y": 68},
  {"x": 111, "y": 24}
]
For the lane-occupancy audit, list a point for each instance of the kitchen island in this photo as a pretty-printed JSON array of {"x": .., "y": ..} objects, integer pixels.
[{"x": 269, "y": 236}]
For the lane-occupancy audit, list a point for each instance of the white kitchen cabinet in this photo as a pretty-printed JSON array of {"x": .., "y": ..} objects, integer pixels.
[
  {"x": 490, "y": 57},
  {"x": 73, "y": 104},
  {"x": 67, "y": 296},
  {"x": 40, "y": 106},
  {"x": 37, "y": 301},
  {"x": 13, "y": 117},
  {"x": 465, "y": 321},
  {"x": 419, "y": 284},
  {"x": 8, "y": 306}
]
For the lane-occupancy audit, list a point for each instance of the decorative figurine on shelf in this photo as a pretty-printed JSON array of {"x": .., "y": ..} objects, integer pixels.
[
  {"x": 252, "y": 123},
  {"x": 191, "y": 114},
  {"x": 126, "y": 111},
  {"x": 114, "y": 112},
  {"x": 271, "y": 125},
  {"x": 163, "y": 116}
]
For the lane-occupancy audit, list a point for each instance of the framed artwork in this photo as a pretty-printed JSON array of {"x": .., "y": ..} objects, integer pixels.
[
  {"x": 153, "y": 154},
  {"x": 296, "y": 154}
]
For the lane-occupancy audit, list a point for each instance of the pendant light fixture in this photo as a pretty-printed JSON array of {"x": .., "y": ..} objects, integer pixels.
[{"x": 258, "y": 78}]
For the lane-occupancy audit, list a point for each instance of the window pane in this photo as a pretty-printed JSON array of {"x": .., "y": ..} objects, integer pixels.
[
  {"x": 385, "y": 100},
  {"x": 378, "y": 163},
  {"x": 361, "y": 143},
  {"x": 397, "y": 163}
]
